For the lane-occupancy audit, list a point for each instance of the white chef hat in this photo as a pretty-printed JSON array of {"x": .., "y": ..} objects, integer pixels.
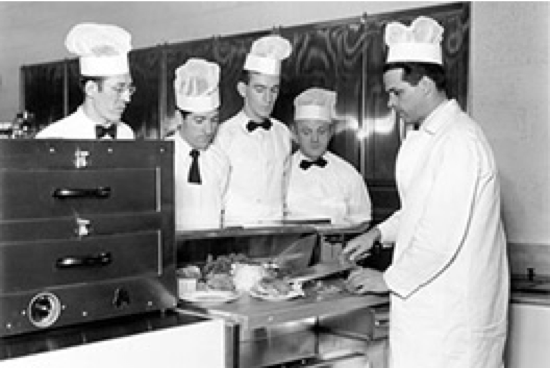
[
  {"x": 266, "y": 55},
  {"x": 196, "y": 86},
  {"x": 315, "y": 103},
  {"x": 103, "y": 49},
  {"x": 420, "y": 42}
]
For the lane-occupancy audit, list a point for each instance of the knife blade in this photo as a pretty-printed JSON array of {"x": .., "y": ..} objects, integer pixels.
[{"x": 321, "y": 270}]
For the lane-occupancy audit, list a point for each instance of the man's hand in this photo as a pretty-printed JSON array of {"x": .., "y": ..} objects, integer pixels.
[
  {"x": 360, "y": 246},
  {"x": 366, "y": 280}
]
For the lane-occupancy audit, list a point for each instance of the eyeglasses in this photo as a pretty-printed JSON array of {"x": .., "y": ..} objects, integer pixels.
[{"x": 120, "y": 90}]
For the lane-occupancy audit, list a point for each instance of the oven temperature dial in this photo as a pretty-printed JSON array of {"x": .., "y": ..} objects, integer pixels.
[{"x": 44, "y": 310}]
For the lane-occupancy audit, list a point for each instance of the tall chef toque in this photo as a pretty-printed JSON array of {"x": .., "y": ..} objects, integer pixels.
[
  {"x": 266, "y": 55},
  {"x": 419, "y": 42},
  {"x": 103, "y": 49},
  {"x": 196, "y": 86},
  {"x": 315, "y": 103}
]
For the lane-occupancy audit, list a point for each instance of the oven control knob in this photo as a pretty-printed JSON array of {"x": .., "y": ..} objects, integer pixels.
[
  {"x": 44, "y": 310},
  {"x": 121, "y": 298}
]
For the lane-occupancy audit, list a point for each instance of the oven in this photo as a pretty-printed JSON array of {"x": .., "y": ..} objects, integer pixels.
[{"x": 86, "y": 231}]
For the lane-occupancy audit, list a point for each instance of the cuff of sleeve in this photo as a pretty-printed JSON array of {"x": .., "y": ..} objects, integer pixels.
[
  {"x": 383, "y": 231},
  {"x": 398, "y": 284}
]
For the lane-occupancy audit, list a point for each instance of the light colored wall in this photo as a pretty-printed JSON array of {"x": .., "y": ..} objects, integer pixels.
[
  {"x": 509, "y": 94},
  {"x": 509, "y": 69}
]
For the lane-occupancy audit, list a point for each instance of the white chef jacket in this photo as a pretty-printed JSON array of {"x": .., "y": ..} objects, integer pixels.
[
  {"x": 199, "y": 206},
  {"x": 79, "y": 126},
  {"x": 336, "y": 191},
  {"x": 449, "y": 276},
  {"x": 260, "y": 161}
]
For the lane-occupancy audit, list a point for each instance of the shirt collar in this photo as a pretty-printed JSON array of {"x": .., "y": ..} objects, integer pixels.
[
  {"x": 183, "y": 143},
  {"x": 245, "y": 119},
  {"x": 436, "y": 120},
  {"x": 89, "y": 121},
  {"x": 301, "y": 156},
  {"x": 85, "y": 118}
]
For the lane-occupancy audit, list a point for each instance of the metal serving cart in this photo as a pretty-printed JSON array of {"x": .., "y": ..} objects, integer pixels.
[{"x": 319, "y": 329}]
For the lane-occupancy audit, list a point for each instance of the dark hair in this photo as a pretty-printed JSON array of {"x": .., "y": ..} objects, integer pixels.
[
  {"x": 413, "y": 73},
  {"x": 244, "y": 76},
  {"x": 183, "y": 113}
]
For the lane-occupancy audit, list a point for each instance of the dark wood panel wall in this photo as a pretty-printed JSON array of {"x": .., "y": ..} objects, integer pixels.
[{"x": 346, "y": 56}]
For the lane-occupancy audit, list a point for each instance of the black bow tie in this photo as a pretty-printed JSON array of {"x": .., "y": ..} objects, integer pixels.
[
  {"x": 101, "y": 131},
  {"x": 252, "y": 126},
  {"x": 305, "y": 164}
]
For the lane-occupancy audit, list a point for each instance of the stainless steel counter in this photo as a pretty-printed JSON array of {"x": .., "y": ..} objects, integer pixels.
[
  {"x": 77, "y": 335},
  {"x": 252, "y": 313},
  {"x": 530, "y": 290},
  {"x": 306, "y": 331}
]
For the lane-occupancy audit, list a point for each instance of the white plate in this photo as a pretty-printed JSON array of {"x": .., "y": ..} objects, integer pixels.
[
  {"x": 210, "y": 297},
  {"x": 275, "y": 298}
]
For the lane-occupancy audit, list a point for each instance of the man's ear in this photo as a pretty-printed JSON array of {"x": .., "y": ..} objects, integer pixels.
[
  {"x": 427, "y": 85},
  {"x": 241, "y": 88},
  {"x": 91, "y": 87}
]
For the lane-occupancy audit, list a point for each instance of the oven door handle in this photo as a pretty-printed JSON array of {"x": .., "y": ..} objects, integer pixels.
[
  {"x": 99, "y": 260},
  {"x": 99, "y": 192}
]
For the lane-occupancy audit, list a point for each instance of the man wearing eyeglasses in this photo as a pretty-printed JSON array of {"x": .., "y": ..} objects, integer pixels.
[{"x": 105, "y": 81}]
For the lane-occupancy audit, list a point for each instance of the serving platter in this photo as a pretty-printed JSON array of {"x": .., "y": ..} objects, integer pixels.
[
  {"x": 210, "y": 297},
  {"x": 255, "y": 293}
]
